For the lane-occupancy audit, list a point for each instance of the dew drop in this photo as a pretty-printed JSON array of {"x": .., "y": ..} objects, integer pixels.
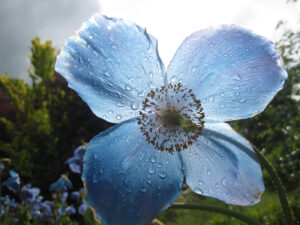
[
  {"x": 209, "y": 172},
  {"x": 153, "y": 159},
  {"x": 222, "y": 94},
  {"x": 119, "y": 116},
  {"x": 143, "y": 188},
  {"x": 194, "y": 69},
  {"x": 151, "y": 170},
  {"x": 173, "y": 79},
  {"x": 128, "y": 88},
  {"x": 134, "y": 106},
  {"x": 200, "y": 182},
  {"x": 237, "y": 94},
  {"x": 198, "y": 190},
  {"x": 162, "y": 174},
  {"x": 217, "y": 185},
  {"x": 242, "y": 100},
  {"x": 150, "y": 74},
  {"x": 110, "y": 112},
  {"x": 223, "y": 181},
  {"x": 211, "y": 45},
  {"x": 120, "y": 104}
]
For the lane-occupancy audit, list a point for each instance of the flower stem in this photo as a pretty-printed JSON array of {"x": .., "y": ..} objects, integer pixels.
[
  {"x": 278, "y": 185},
  {"x": 216, "y": 209}
]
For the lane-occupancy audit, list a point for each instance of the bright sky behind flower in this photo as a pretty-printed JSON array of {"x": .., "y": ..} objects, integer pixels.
[{"x": 170, "y": 21}]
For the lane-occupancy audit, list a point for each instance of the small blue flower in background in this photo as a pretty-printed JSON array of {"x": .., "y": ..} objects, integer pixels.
[
  {"x": 29, "y": 194},
  {"x": 13, "y": 182},
  {"x": 83, "y": 207},
  {"x": 43, "y": 210},
  {"x": 75, "y": 195},
  {"x": 61, "y": 185},
  {"x": 76, "y": 161},
  {"x": 171, "y": 122}
]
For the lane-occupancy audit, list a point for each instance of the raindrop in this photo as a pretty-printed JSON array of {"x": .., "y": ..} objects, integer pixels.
[
  {"x": 110, "y": 112},
  {"x": 194, "y": 69},
  {"x": 128, "y": 88},
  {"x": 211, "y": 45},
  {"x": 237, "y": 94},
  {"x": 242, "y": 100},
  {"x": 134, "y": 106},
  {"x": 223, "y": 181},
  {"x": 120, "y": 104},
  {"x": 222, "y": 94},
  {"x": 162, "y": 174},
  {"x": 209, "y": 172},
  {"x": 217, "y": 185},
  {"x": 150, "y": 74},
  {"x": 153, "y": 159},
  {"x": 200, "y": 182},
  {"x": 143, "y": 188},
  {"x": 118, "y": 117},
  {"x": 151, "y": 170},
  {"x": 198, "y": 190},
  {"x": 173, "y": 79},
  {"x": 225, "y": 55},
  {"x": 237, "y": 77}
]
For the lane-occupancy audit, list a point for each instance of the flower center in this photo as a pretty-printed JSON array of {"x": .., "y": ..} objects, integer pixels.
[{"x": 171, "y": 118}]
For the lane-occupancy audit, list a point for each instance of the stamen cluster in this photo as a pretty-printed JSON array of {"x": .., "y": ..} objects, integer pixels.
[{"x": 167, "y": 104}]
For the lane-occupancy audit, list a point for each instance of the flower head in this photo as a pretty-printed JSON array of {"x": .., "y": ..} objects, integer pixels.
[
  {"x": 76, "y": 161},
  {"x": 13, "y": 182},
  {"x": 29, "y": 194},
  {"x": 171, "y": 123},
  {"x": 61, "y": 185}
]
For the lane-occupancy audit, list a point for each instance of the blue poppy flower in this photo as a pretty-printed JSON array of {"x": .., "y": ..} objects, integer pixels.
[
  {"x": 61, "y": 185},
  {"x": 13, "y": 182},
  {"x": 43, "y": 210},
  {"x": 29, "y": 194},
  {"x": 171, "y": 123},
  {"x": 76, "y": 161}
]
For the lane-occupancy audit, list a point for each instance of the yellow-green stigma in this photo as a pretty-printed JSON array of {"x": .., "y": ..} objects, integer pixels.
[{"x": 173, "y": 120}]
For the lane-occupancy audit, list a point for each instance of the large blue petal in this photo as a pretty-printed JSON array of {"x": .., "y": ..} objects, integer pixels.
[
  {"x": 112, "y": 64},
  {"x": 222, "y": 164},
  {"x": 234, "y": 72},
  {"x": 128, "y": 181}
]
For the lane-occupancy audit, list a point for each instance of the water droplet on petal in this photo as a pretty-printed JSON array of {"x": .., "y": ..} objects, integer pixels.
[
  {"x": 150, "y": 74},
  {"x": 211, "y": 45},
  {"x": 209, "y": 172},
  {"x": 110, "y": 112},
  {"x": 162, "y": 174},
  {"x": 237, "y": 94},
  {"x": 223, "y": 181},
  {"x": 217, "y": 185},
  {"x": 198, "y": 191},
  {"x": 222, "y": 94},
  {"x": 173, "y": 79},
  {"x": 119, "y": 116},
  {"x": 134, "y": 106},
  {"x": 242, "y": 100},
  {"x": 151, "y": 170},
  {"x": 120, "y": 104},
  {"x": 153, "y": 159},
  {"x": 143, "y": 188},
  {"x": 128, "y": 88}
]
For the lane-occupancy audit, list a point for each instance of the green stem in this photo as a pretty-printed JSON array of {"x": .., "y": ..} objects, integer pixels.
[
  {"x": 216, "y": 209},
  {"x": 278, "y": 185}
]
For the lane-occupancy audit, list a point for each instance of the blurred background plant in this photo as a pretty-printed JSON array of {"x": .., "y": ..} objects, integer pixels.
[{"x": 43, "y": 122}]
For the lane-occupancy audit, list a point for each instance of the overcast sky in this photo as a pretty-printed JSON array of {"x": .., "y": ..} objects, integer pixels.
[{"x": 170, "y": 21}]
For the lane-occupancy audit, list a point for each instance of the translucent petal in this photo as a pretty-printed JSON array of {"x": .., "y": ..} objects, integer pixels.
[
  {"x": 222, "y": 164},
  {"x": 128, "y": 181},
  {"x": 234, "y": 72},
  {"x": 112, "y": 64}
]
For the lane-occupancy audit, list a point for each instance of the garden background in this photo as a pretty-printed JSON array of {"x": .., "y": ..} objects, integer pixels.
[{"x": 43, "y": 121}]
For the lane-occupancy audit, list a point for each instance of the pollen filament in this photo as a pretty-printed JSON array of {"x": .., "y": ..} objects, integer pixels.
[{"x": 171, "y": 118}]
